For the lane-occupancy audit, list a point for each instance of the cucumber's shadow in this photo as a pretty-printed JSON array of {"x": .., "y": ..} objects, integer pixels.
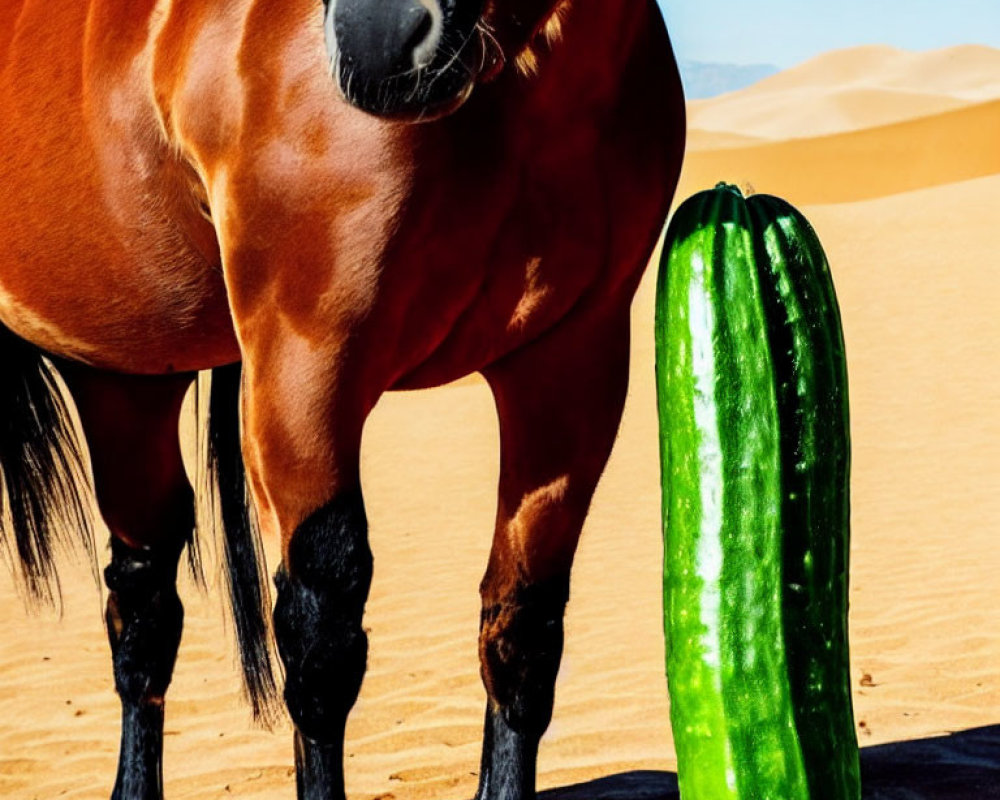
[{"x": 960, "y": 766}]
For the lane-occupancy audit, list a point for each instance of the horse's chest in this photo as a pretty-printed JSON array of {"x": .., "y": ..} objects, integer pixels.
[{"x": 504, "y": 275}]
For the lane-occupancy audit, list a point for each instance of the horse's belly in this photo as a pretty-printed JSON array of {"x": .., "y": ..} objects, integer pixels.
[
  {"x": 114, "y": 329},
  {"x": 138, "y": 301}
]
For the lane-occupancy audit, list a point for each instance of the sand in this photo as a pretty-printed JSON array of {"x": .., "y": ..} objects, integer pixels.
[
  {"x": 907, "y": 208},
  {"x": 846, "y": 90}
]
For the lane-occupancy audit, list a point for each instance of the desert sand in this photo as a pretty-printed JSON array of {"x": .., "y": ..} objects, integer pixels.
[{"x": 894, "y": 157}]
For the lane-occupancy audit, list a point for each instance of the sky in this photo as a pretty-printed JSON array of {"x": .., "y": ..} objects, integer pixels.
[{"x": 787, "y": 32}]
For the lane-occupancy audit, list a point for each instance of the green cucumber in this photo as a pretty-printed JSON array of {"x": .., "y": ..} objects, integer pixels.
[{"x": 754, "y": 443}]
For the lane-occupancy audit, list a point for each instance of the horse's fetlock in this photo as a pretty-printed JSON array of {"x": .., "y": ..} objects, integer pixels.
[
  {"x": 144, "y": 617},
  {"x": 325, "y": 653},
  {"x": 320, "y": 692},
  {"x": 144, "y": 642},
  {"x": 521, "y": 642}
]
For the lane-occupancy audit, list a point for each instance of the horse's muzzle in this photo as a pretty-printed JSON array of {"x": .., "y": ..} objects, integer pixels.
[{"x": 404, "y": 58}]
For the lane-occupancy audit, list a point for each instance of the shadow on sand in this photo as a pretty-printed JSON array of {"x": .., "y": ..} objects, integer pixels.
[{"x": 959, "y": 766}]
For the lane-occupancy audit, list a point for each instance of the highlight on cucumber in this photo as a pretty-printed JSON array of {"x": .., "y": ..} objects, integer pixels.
[{"x": 755, "y": 460}]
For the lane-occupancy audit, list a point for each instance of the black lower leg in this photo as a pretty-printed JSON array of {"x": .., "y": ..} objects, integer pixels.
[
  {"x": 521, "y": 641},
  {"x": 317, "y": 619},
  {"x": 144, "y": 617}
]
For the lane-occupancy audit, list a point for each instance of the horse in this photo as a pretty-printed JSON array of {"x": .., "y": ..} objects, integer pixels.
[{"x": 319, "y": 201}]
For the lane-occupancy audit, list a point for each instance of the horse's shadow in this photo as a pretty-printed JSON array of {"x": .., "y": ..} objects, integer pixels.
[{"x": 959, "y": 766}]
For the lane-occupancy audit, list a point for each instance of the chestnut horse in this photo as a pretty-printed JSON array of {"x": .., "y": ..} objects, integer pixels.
[{"x": 345, "y": 198}]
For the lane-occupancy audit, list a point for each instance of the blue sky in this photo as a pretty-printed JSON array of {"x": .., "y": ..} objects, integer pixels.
[{"x": 786, "y": 32}]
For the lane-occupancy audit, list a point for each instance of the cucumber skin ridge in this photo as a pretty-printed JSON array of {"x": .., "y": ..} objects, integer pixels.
[
  {"x": 744, "y": 726},
  {"x": 805, "y": 317}
]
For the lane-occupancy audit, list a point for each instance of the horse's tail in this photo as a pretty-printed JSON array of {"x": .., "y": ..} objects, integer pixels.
[
  {"x": 244, "y": 554},
  {"x": 44, "y": 478}
]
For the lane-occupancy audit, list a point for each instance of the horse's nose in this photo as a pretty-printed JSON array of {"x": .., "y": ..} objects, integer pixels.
[
  {"x": 405, "y": 58},
  {"x": 384, "y": 39}
]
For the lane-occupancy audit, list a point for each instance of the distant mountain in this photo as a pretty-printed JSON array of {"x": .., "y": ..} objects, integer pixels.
[{"x": 702, "y": 80}]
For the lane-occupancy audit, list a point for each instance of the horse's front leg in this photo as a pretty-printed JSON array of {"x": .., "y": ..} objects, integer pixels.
[
  {"x": 559, "y": 402},
  {"x": 303, "y": 412},
  {"x": 146, "y": 500}
]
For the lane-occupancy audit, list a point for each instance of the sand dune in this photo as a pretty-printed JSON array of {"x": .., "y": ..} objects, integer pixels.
[
  {"x": 835, "y": 68},
  {"x": 928, "y": 151},
  {"x": 969, "y": 71},
  {"x": 908, "y": 214},
  {"x": 806, "y": 113},
  {"x": 718, "y": 140},
  {"x": 851, "y": 89}
]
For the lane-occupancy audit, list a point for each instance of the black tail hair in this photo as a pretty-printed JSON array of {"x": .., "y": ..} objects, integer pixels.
[
  {"x": 244, "y": 553},
  {"x": 44, "y": 479}
]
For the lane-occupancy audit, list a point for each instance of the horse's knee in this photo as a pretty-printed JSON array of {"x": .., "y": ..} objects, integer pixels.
[
  {"x": 322, "y": 590},
  {"x": 520, "y": 646},
  {"x": 144, "y": 618}
]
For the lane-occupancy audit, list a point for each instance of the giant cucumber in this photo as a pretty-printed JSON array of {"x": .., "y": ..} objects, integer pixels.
[{"x": 752, "y": 391}]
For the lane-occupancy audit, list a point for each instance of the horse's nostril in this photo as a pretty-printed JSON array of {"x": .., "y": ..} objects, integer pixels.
[
  {"x": 423, "y": 22},
  {"x": 419, "y": 22}
]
